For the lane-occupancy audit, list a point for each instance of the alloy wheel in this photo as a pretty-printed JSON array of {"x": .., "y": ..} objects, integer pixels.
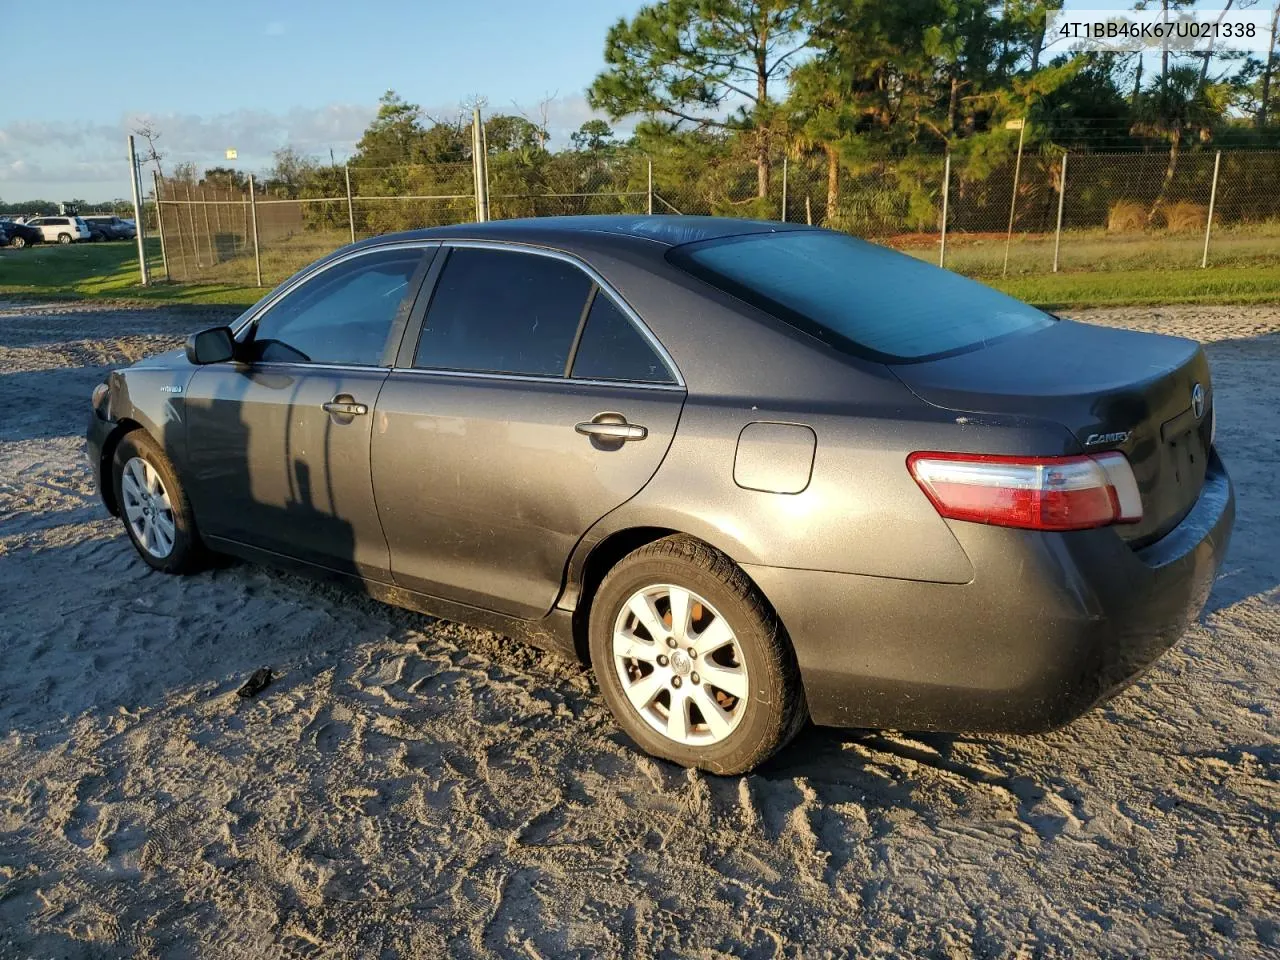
[
  {"x": 680, "y": 665},
  {"x": 147, "y": 508}
]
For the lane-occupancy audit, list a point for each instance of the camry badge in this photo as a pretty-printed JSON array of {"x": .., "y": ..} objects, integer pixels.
[
  {"x": 1097, "y": 438},
  {"x": 1197, "y": 400}
]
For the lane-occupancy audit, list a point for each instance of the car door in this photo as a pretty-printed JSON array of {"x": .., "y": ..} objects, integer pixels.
[
  {"x": 278, "y": 441},
  {"x": 530, "y": 403}
]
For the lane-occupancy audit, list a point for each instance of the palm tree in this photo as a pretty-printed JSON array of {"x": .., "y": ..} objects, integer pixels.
[{"x": 1178, "y": 106}]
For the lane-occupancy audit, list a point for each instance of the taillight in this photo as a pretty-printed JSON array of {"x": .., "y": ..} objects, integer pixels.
[{"x": 1034, "y": 493}]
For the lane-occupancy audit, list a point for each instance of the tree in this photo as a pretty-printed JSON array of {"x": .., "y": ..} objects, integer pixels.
[
  {"x": 149, "y": 133},
  {"x": 225, "y": 177},
  {"x": 1176, "y": 106},
  {"x": 290, "y": 173},
  {"x": 395, "y": 135},
  {"x": 709, "y": 63},
  {"x": 594, "y": 136},
  {"x": 1268, "y": 66}
]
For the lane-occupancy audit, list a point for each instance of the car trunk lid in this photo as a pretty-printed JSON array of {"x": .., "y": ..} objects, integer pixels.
[{"x": 1112, "y": 389}]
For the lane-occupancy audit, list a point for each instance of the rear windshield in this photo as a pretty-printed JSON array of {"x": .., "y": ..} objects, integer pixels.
[{"x": 858, "y": 296}]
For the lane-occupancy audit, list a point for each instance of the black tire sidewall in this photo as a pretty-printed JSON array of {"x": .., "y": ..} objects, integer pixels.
[
  {"x": 761, "y": 730},
  {"x": 186, "y": 544}
]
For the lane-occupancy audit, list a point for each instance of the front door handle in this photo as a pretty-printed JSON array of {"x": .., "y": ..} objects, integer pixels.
[
  {"x": 611, "y": 428},
  {"x": 344, "y": 405}
]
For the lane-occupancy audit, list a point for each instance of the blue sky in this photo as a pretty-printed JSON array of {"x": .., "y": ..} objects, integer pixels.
[
  {"x": 259, "y": 75},
  {"x": 255, "y": 75}
]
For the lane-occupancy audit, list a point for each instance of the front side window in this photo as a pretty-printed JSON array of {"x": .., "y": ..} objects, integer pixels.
[
  {"x": 341, "y": 315},
  {"x": 859, "y": 296},
  {"x": 501, "y": 311},
  {"x": 612, "y": 348}
]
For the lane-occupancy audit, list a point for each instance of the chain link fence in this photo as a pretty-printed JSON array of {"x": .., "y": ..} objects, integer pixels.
[{"x": 979, "y": 216}]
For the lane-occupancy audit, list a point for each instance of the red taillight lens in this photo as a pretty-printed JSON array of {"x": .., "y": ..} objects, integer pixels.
[{"x": 1034, "y": 493}]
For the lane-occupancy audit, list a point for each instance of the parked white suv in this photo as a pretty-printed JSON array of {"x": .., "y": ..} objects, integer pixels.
[{"x": 61, "y": 229}]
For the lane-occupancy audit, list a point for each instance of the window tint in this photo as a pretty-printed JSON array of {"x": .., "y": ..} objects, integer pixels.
[
  {"x": 858, "y": 295},
  {"x": 342, "y": 315},
  {"x": 613, "y": 349},
  {"x": 497, "y": 311}
]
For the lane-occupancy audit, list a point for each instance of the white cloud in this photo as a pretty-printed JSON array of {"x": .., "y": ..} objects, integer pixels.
[{"x": 39, "y": 159}]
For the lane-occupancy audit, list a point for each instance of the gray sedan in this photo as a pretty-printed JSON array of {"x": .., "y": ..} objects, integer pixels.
[{"x": 756, "y": 474}]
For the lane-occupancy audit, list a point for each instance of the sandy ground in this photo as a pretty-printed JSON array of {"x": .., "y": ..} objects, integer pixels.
[{"x": 415, "y": 788}]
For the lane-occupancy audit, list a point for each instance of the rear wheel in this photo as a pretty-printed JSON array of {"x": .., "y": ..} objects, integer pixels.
[
  {"x": 691, "y": 660},
  {"x": 154, "y": 506},
  {"x": 64, "y": 238}
]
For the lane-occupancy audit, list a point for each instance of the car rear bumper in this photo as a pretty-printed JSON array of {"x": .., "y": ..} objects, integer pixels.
[{"x": 1051, "y": 624}]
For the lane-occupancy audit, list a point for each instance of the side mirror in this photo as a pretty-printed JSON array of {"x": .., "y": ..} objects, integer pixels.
[{"x": 214, "y": 345}]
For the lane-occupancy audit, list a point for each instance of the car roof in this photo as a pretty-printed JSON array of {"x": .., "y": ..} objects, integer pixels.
[{"x": 658, "y": 232}]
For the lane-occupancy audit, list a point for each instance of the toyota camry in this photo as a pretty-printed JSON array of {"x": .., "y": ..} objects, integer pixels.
[{"x": 756, "y": 474}]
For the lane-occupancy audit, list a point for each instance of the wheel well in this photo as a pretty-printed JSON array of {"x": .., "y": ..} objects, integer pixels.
[
  {"x": 604, "y": 556},
  {"x": 125, "y": 426}
]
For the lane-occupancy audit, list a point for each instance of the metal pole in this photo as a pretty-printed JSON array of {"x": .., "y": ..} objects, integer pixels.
[
  {"x": 1213, "y": 196},
  {"x": 1062, "y": 193},
  {"x": 478, "y": 167},
  {"x": 784, "y": 188},
  {"x": 137, "y": 214},
  {"x": 351, "y": 210},
  {"x": 946, "y": 199},
  {"x": 649, "y": 209},
  {"x": 253, "y": 210},
  {"x": 1013, "y": 200},
  {"x": 164, "y": 253},
  {"x": 808, "y": 211}
]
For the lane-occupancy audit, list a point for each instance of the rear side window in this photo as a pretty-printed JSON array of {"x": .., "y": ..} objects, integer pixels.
[
  {"x": 341, "y": 315},
  {"x": 499, "y": 311},
  {"x": 612, "y": 348},
  {"x": 858, "y": 296}
]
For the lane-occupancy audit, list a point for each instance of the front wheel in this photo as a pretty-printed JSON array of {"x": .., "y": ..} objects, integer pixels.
[
  {"x": 154, "y": 507},
  {"x": 692, "y": 661},
  {"x": 18, "y": 242},
  {"x": 64, "y": 238}
]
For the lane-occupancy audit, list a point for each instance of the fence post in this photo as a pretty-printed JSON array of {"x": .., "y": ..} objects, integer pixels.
[
  {"x": 478, "y": 167},
  {"x": 808, "y": 211},
  {"x": 351, "y": 210},
  {"x": 784, "y": 188},
  {"x": 1013, "y": 200},
  {"x": 1062, "y": 192},
  {"x": 137, "y": 214},
  {"x": 253, "y": 211},
  {"x": 649, "y": 208},
  {"x": 1213, "y": 196},
  {"x": 164, "y": 253},
  {"x": 946, "y": 198}
]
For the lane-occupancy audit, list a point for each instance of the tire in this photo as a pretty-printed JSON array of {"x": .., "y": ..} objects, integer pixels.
[
  {"x": 64, "y": 238},
  {"x": 751, "y": 727},
  {"x": 18, "y": 242},
  {"x": 174, "y": 547}
]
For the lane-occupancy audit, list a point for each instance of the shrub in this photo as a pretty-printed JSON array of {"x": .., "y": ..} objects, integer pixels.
[
  {"x": 1185, "y": 217},
  {"x": 1125, "y": 216}
]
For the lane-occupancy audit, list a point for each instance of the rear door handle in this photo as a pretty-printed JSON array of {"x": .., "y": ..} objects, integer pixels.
[
  {"x": 345, "y": 405},
  {"x": 611, "y": 428}
]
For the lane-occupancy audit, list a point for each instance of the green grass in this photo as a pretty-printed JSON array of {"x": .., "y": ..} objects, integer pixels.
[
  {"x": 1143, "y": 287},
  {"x": 105, "y": 271},
  {"x": 1097, "y": 270}
]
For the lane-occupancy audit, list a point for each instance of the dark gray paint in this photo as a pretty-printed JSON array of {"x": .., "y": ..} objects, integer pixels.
[{"x": 478, "y": 499}]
